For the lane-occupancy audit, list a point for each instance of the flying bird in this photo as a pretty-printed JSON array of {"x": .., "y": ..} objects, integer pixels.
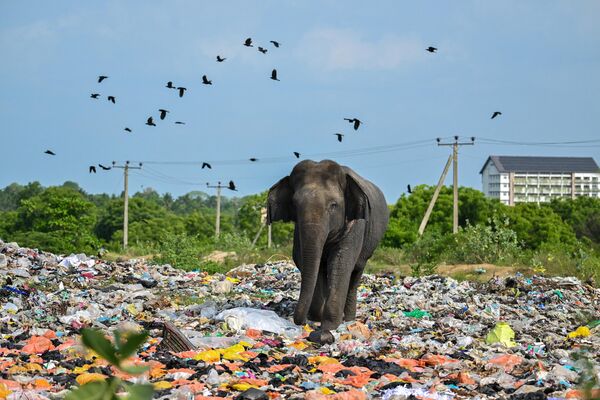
[
  {"x": 101, "y": 78},
  {"x": 297, "y": 154},
  {"x": 50, "y": 152},
  {"x": 262, "y": 50},
  {"x": 128, "y": 130},
  {"x": 181, "y": 91},
  {"x": 248, "y": 42},
  {"x": 409, "y": 189},
  {"x": 495, "y": 114},
  {"x": 104, "y": 167},
  {"x": 356, "y": 122},
  {"x": 231, "y": 185},
  {"x": 275, "y": 43},
  {"x": 253, "y": 159},
  {"x": 339, "y": 136},
  {"x": 274, "y": 75},
  {"x": 112, "y": 99},
  {"x": 150, "y": 122},
  {"x": 180, "y": 123},
  {"x": 163, "y": 113},
  {"x": 221, "y": 59},
  {"x": 170, "y": 85},
  {"x": 92, "y": 169},
  {"x": 206, "y": 165},
  {"x": 95, "y": 95},
  {"x": 205, "y": 80},
  {"x": 431, "y": 49}
]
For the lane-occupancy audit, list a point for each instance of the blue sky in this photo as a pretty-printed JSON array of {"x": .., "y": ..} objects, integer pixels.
[{"x": 536, "y": 61}]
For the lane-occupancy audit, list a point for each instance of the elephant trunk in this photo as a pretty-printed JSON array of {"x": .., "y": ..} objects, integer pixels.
[{"x": 312, "y": 240}]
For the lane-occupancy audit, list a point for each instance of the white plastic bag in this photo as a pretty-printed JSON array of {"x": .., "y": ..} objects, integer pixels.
[{"x": 264, "y": 320}]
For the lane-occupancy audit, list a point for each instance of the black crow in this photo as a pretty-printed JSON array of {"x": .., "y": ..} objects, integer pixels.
[
  {"x": 128, "y": 129},
  {"x": 253, "y": 159},
  {"x": 205, "y": 80},
  {"x": 274, "y": 75},
  {"x": 50, "y": 152},
  {"x": 92, "y": 169},
  {"x": 356, "y": 122},
  {"x": 181, "y": 91},
  {"x": 170, "y": 85},
  {"x": 95, "y": 95},
  {"x": 104, "y": 168},
  {"x": 276, "y": 44},
  {"x": 163, "y": 113},
  {"x": 248, "y": 42},
  {"x": 262, "y": 50},
  {"x": 495, "y": 114},
  {"x": 206, "y": 165},
  {"x": 409, "y": 189},
  {"x": 180, "y": 123},
  {"x": 150, "y": 122},
  {"x": 431, "y": 49},
  {"x": 339, "y": 136},
  {"x": 101, "y": 78},
  {"x": 221, "y": 59},
  {"x": 297, "y": 154},
  {"x": 112, "y": 99},
  {"x": 231, "y": 186}
]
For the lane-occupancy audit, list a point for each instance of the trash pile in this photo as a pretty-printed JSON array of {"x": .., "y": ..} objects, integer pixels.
[{"x": 414, "y": 338}]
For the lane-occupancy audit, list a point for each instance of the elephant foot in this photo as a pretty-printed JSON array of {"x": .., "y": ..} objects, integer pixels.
[
  {"x": 299, "y": 319},
  {"x": 321, "y": 337}
]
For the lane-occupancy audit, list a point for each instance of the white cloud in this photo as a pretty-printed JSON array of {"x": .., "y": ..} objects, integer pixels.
[{"x": 339, "y": 49}]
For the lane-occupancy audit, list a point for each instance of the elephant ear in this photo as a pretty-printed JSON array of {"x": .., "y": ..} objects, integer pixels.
[
  {"x": 279, "y": 202},
  {"x": 357, "y": 200}
]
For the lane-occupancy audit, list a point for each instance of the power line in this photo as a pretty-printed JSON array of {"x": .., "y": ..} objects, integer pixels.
[{"x": 340, "y": 154}]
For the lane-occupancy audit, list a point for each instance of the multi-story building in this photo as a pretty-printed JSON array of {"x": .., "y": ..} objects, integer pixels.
[{"x": 519, "y": 179}]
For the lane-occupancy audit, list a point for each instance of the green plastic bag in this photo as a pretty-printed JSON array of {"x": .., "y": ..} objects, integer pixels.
[{"x": 416, "y": 313}]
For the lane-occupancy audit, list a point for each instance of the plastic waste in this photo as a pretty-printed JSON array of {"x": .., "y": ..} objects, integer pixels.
[
  {"x": 264, "y": 320},
  {"x": 416, "y": 313},
  {"x": 501, "y": 333}
]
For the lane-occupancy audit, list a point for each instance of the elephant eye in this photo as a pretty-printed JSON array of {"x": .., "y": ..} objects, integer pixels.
[{"x": 333, "y": 205}]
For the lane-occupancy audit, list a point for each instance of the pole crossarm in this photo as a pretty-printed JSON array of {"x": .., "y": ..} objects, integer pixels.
[{"x": 453, "y": 158}]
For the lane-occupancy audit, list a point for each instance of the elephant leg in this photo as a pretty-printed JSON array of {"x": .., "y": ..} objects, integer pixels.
[
  {"x": 350, "y": 306},
  {"x": 340, "y": 266},
  {"x": 315, "y": 312}
]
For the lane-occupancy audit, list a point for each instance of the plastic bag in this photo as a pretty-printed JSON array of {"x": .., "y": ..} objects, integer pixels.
[
  {"x": 502, "y": 333},
  {"x": 264, "y": 320}
]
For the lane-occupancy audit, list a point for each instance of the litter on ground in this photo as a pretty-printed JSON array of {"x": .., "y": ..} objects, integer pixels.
[{"x": 231, "y": 336}]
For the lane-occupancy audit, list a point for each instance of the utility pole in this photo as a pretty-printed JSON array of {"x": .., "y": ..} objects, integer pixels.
[
  {"x": 125, "y": 168},
  {"x": 435, "y": 196},
  {"x": 455, "y": 146},
  {"x": 218, "y": 186}
]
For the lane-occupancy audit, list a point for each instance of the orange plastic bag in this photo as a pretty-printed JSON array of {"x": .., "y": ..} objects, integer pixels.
[{"x": 37, "y": 345}]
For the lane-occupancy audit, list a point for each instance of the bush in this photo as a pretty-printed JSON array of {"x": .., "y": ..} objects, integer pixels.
[
  {"x": 491, "y": 243},
  {"x": 427, "y": 252},
  {"x": 180, "y": 251}
]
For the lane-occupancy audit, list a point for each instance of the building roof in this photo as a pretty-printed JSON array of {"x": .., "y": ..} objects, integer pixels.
[{"x": 542, "y": 164}]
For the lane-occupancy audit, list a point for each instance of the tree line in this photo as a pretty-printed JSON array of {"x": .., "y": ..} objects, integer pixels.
[{"x": 65, "y": 218}]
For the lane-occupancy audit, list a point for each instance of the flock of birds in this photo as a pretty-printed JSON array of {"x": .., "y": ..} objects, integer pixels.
[{"x": 356, "y": 123}]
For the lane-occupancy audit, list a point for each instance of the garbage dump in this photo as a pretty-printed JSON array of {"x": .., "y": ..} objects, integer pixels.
[{"x": 231, "y": 336}]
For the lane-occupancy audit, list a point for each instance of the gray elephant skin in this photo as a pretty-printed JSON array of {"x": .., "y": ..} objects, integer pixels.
[{"x": 339, "y": 219}]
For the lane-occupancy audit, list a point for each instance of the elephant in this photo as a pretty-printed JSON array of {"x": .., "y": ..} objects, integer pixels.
[{"x": 339, "y": 219}]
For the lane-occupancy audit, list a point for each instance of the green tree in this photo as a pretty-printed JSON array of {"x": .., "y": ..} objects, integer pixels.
[
  {"x": 539, "y": 224},
  {"x": 60, "y": 219},
  {"x": 582, "y": 215},
  {"x": 407, "y": 213},
  {"x": 249, "y": 221}
]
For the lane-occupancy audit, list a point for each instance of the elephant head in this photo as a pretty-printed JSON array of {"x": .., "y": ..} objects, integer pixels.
[{"x": 323, "y": 199}]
